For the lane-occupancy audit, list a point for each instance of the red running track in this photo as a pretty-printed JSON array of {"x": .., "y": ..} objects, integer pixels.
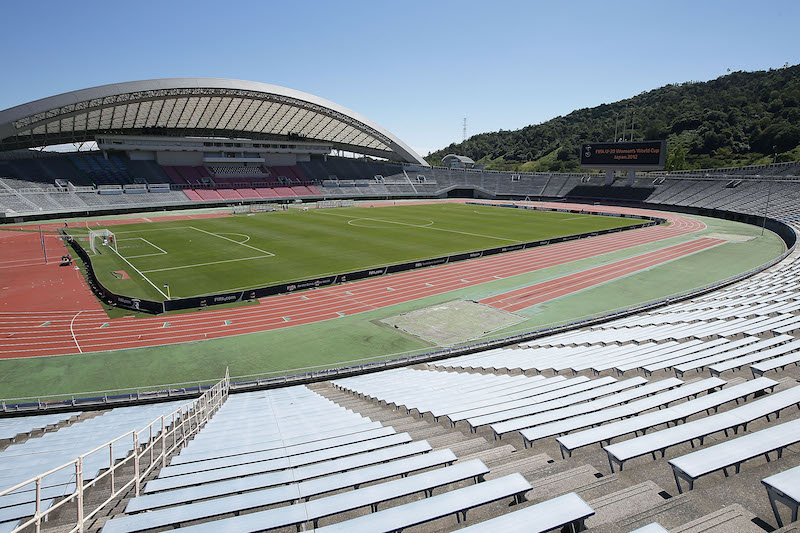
[
  {"x": 541, "y": 292},
  {"x": 90, "y": 330}
]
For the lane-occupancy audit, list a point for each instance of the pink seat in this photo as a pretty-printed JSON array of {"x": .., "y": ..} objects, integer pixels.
[
  {"x": 209, "y": 194},
  {"x": 285, "y": 192},
  {"x": 193, "y": 196},
  {"x": 248, "y": 193},
  {"x": 229, "y": 194},
  {"x": 266, "y": 192}
]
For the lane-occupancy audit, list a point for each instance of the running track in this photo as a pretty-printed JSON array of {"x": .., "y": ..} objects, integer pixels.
[{"x": 88, "y": 329}]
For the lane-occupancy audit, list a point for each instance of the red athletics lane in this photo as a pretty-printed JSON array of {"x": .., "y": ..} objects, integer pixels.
[
  {"x": 63, "y": 332},
  {"x": 548, "y": 290},
  {"x": 29, "y": 284}
]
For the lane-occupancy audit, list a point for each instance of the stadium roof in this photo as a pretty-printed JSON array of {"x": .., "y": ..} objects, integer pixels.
[
  {"x": 462, "y": 158},
  {"x": 201, "y": 107}
]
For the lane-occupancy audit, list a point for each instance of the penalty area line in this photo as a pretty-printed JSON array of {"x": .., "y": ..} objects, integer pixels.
[
  {"x": 141, "y": 274},
  {"x": 161, "y": 250},
  {"x": 210, "y": 263}
]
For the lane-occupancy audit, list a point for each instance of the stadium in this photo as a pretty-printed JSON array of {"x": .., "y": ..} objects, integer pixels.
[{"x": 245, "y": 307}]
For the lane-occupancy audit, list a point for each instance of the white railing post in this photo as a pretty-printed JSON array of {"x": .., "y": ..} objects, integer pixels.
[
  {"x": 136, "y": 456},
  {"x": 163, "y": 443},
  {"x": 111, "y": 463},
  {"x": 79, "y": 487},
  {"x": 38, "y": 513}
]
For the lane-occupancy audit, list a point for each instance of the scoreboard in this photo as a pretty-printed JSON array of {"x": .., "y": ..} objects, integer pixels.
[{"x": 644, "y": 155}]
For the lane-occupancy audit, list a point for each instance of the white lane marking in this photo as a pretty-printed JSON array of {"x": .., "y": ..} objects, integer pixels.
[{"x": 73, "y": 331}]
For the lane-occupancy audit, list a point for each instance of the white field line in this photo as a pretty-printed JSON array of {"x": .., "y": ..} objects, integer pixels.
[
  {"x": 161, "y": 252},
  {"x": 417, "y": 226},
  {"x": 350, "y": 223},
  {"x": 210, "y": 263},
  {"x": 153, "y": 245},
  {"x": 246, "y": 237},
  {"x": 151, "y": 229},
  {"x": 235, "y": 242},
  {"x": 141, "y": 274}
]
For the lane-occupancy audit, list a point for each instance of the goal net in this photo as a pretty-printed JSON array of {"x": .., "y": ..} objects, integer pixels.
[
  {"x": 324, "y": 204},
  {"x": 101, "y": 237}
]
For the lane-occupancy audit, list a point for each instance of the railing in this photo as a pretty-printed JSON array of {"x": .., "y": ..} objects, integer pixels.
[
  {"x": 149, "y": 449},
  {"x": 107, "y": 397}
]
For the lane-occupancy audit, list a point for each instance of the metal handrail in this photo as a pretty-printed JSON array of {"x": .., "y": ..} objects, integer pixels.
[{"x": 150, "y": 447}]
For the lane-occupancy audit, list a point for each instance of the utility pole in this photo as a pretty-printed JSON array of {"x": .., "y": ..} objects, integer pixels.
[
  {"x": 44, "y": 246},
  {"x": 624, "y": 121},
  {"x": 464, "y": 130}
]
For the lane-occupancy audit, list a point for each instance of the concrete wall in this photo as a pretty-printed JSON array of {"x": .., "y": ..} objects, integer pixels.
[{"x": 180, "y": 159}]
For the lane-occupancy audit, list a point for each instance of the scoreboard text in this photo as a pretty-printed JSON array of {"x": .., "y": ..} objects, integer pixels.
[{"x": 645, "y": 155}]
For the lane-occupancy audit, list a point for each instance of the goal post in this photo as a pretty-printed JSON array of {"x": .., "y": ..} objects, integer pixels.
[{"x": 101, "y": 237}]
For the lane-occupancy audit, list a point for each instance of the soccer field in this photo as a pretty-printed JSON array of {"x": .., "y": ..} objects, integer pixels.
[{"x": 207, "y": 256}]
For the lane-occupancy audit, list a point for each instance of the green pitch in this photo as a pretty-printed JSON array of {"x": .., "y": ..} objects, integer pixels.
[{"x": 207, "y": 256}]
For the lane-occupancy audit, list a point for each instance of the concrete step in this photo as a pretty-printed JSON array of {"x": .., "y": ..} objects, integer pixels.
[
  {"x": 446, "y": 439},
  {"x": 525, "y": 466},
  {"x": 492, "y": 455},
  {"x": 426, "y": 432},
  {"x": 731, "y": 519},
  {"x": 471, "y": 446},
  {"x": 622, "y": 503},
  {"x": 669, "y": 513},
  {"x": 545, "y": 488},
  {"x": 604, "y": 485}
]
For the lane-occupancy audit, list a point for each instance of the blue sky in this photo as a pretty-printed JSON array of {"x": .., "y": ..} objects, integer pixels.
[{"x": 416, "y": 68}]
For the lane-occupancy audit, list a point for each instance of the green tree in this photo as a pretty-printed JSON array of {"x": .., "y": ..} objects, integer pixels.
[{"x": 676, "y": 159}]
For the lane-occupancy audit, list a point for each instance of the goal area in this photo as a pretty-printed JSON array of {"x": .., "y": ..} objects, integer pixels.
[{"x": 101, "y": 237}]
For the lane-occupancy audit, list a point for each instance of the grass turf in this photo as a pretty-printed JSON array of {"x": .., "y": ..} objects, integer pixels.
[{"x": 199, "y": 257}]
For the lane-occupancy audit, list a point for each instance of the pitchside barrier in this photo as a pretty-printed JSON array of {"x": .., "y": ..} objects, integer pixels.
[
  {"x": 155, "y": 307},
  {"x": 105, "y": 295}
]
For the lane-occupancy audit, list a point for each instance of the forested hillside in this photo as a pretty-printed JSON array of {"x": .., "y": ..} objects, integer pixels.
[{"x": 739, "y": 119}]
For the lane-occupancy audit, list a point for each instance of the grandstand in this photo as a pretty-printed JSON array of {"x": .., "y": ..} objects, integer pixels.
[
  {"x": 682, "y": 416},
  {"x": 24, "y": 194}
]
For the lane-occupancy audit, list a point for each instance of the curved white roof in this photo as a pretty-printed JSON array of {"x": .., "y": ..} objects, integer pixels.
[{"x": 196, "y": 107}]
